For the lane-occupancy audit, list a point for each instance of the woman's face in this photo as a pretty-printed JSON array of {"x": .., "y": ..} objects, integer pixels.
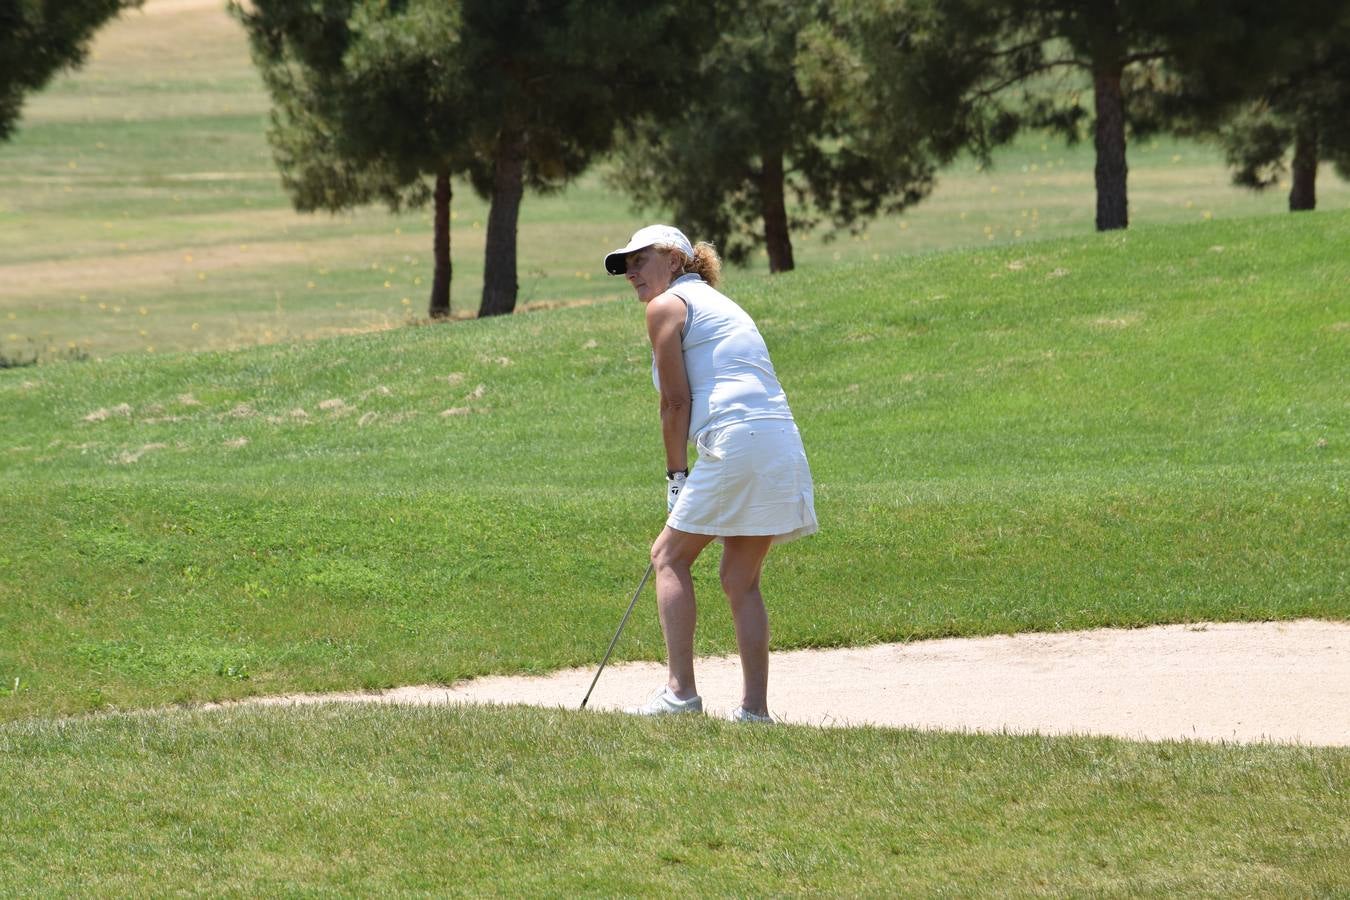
[{"x": 650, "y": 272}]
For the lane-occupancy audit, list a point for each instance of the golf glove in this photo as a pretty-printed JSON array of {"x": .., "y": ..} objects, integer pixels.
[{"x": 674, "y": 484}]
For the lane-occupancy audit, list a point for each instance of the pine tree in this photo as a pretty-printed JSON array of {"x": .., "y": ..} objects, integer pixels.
[
  {"x": 554, "y": 82},
  {"x": 763, "y": 126},
  {"x": 1304, "y": 109},
  {"x": 374, "y": 96},
  {"x": 39, "y": 38},
  {"x": 368, "y": 106}
]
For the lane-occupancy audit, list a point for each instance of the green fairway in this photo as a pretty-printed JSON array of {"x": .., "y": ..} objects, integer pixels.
[{"x": 377, "y": 801}]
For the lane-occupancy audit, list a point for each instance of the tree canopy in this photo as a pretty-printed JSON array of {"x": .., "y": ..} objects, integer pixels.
[{"x": 38, "y": 39}]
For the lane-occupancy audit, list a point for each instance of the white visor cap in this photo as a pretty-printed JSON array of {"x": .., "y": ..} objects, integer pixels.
[{"x": 616, "y": 263}]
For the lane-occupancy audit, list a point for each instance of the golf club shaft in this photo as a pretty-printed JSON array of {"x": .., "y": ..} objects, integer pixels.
[{"x": 622, "y": 622}]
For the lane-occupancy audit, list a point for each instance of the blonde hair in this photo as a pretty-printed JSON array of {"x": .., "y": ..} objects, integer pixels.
[{"x": 705, "y": 263}]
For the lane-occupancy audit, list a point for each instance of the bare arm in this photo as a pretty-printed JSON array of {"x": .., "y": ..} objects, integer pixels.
[{"x": 665, "y": 319}]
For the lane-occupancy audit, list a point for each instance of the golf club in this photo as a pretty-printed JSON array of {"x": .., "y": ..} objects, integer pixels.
[{"x": 622, "y": 622}]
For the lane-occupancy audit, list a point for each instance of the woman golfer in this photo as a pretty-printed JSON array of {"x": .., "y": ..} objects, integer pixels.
[{"x": 751, "y": 488}]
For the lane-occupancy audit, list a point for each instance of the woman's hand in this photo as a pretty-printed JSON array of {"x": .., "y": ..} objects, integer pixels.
[{"x": 674, "y": 484}]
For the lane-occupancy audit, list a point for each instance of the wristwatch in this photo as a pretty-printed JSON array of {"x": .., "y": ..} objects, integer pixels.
[{"x": 671, "y": 473}]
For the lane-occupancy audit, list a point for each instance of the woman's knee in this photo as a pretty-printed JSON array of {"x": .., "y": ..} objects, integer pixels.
[
  {"x": 738, "y": 584},
  {"x": 675, "y": 550},
  {"x": 663, "y": 555},
  {"x": 742, "y": 562}
]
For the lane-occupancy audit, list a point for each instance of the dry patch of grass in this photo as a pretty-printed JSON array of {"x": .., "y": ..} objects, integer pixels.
[{"x": 1124, "y": 320}]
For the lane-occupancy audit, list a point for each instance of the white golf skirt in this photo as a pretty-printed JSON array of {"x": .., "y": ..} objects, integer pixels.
[{"x": 751, "y": 479}]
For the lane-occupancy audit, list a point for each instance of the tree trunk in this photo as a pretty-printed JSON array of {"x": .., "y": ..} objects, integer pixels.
[
  {"x": 1303, "y": 195},
  {"x": 776, "y": 237},
  {"x": 1112, "y": 209},
  {"x": 499, "y": 265},
  {"x": 439, "y": 307}
]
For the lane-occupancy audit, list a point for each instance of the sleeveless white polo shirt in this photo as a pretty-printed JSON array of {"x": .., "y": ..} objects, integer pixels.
[{"x": 731, "y": 378}]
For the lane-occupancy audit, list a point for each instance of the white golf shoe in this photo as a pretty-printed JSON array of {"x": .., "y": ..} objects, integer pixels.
[
  {"x": 740, "y": 714},
  {"x": 665, "y": 703}
]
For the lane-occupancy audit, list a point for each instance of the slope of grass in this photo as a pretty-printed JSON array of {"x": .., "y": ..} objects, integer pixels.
[
  {"x": 1113, "y": 430},
  {"x": 378, "y": 801}
]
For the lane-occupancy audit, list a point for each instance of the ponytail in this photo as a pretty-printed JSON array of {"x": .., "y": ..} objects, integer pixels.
[{"x": 705, "y": 263}]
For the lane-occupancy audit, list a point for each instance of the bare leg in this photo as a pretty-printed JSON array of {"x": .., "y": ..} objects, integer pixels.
[
  {"x": 672, "y": 555},
  {"x": 742, "y": 562}
]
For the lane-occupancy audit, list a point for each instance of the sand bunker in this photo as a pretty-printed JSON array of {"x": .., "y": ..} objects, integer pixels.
[{"x": 1241, "y": 682}]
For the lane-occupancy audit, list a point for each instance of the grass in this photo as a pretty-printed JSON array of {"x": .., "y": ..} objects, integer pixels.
[
  {"x": 364, "y": 801},
  {"x": 1109, "y": 430}
]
